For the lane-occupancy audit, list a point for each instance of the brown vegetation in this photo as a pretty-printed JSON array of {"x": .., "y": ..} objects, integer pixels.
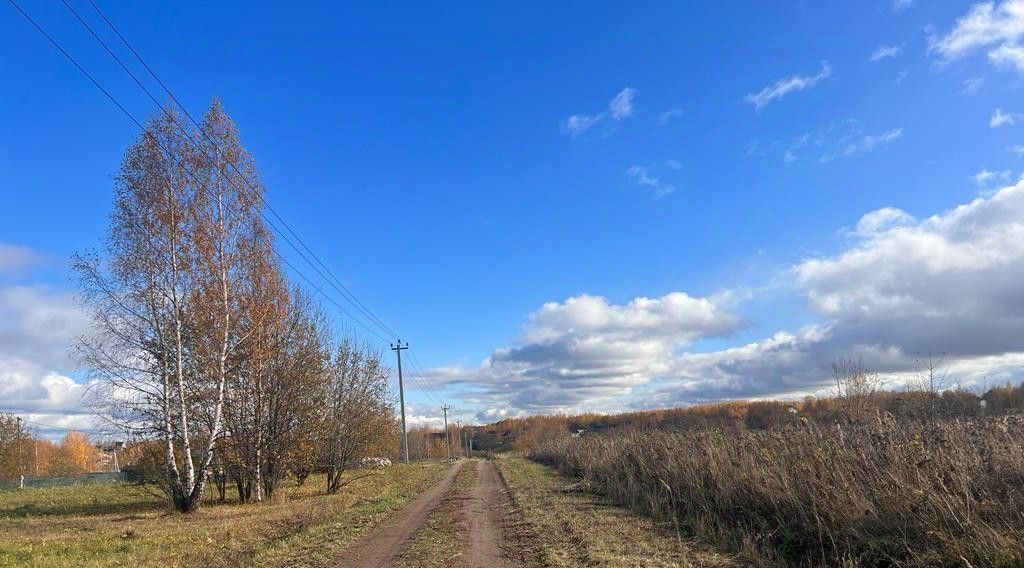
[
  {"x": 22, "y": 453},
  {"x": 199, "y": 347},
  {"x": 882, "y": 491}
]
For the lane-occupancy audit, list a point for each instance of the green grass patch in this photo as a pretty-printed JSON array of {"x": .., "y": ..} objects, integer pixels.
[{"x": 126, "y": 525}]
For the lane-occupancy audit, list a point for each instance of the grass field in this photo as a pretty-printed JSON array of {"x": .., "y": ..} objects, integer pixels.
[
  {"x": 126, "y": 525},
  {"x": 560, "y": 527},
  {"x": 881, "y": 492}
]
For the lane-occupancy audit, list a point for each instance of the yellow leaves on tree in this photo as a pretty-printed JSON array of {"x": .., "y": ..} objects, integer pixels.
[{"x": 76, "y": 455}]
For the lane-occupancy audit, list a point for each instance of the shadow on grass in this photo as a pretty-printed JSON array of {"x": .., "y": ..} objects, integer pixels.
[{"x": 29, "y": 510}]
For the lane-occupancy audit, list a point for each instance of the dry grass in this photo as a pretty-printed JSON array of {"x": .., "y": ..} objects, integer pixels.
[
  {"x": 557, "y": 526},
  {"x": 123, "y": 525},
  {"x": 942, "y": 492}
]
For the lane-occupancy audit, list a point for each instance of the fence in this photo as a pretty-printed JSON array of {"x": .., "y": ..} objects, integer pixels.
[{"x": 84, "y": 479}]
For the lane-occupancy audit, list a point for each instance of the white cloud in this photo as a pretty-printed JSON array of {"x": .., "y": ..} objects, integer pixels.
[
  {"x": 885, "y": 51},
  {"x": 1008, "y": 55},
  {"x": 641, "y": 176},
  {"x": 995, "y": 27},
  {"x": 13, "y": 257},
  {"x": 985, "y": 178},
  {"x": 867, "y": 142},
  {"x": 1000, "y": 118},
  {"x": 620, "y": 107},
  {"x": 587, "y": 349},
  {"x": 972, "y": 85},
  {"x": 949, "y": 283},
  {"x": 841, "y": 139},
  {"x": 1016, "y": 149},
  {"x": 783, "y": 87},
  {"x": 38, "y": 327},
  {"x": 668, "y": 115},
  {"x": 882, "y": 220},
  {"x": 578, "y": 124},
  {"x": 900, "y": 5}
]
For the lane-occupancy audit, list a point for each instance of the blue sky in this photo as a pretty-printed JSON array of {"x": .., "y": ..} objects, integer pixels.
[{"x": 430, "y": 156}]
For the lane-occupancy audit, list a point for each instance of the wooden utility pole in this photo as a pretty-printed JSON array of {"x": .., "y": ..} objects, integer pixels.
[
  {"x": 401, "y": 398},
  {"x": 447, "y": 443},
  {"x": 21, "y": 458},
  {"x": 458, "y": 433}
]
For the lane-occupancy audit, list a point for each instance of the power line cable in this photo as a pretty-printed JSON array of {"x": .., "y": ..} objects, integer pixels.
[
  {"x": 195, "y": 178},
  {"x": 339, "y": 287},
  {"x": 343, "y": 291},
  {"x": 423, "y": 375}
]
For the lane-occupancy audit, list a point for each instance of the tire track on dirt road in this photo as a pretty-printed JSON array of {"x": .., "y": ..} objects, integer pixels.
[
  {"x": 377, "y": 548},
  {"x": 486, "y": 509}
]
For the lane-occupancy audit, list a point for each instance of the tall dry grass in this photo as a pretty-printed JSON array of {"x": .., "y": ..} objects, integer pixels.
[{"x": 882, "y": 492}]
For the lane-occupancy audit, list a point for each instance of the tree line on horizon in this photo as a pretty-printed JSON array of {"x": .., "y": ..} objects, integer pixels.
[{"x": 25, "y": 454}]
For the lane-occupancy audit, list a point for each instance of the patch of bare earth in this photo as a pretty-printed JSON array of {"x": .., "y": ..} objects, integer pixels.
[
  {"x": 378, "y": 548},
  {"x": 442, "y": 541}
]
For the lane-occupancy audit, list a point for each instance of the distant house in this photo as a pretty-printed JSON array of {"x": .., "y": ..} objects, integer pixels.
[{"x": 107, "y": 460}]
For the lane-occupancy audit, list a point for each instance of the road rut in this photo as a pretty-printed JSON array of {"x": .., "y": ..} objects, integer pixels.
[
  {"x": 378, "y": 548},
  {"x": 485, "y": 510}
]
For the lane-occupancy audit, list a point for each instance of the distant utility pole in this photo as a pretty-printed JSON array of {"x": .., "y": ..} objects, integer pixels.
[
  {"x": 458, "y": 433},
  {"x": 447, "y": 443},
  {"x": 401, "y": 398},
  {"x": 21, "y": 458}
]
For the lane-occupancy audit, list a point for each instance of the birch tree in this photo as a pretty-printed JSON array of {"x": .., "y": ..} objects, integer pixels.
[{"x": 166, "y": 292}]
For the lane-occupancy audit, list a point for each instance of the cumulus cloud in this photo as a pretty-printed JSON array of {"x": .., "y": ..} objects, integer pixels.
[
  {"x": 885, "y": 51},
  {"x": 38, "y": 327},
  {"x": 620, "y": 107},
  {"x": 587, "y": 350},
  {"x": 881, "y": 220},
  {"x": 783, "y": 87},
  {"x": 947, "y": 283},
  {"x": 996, "y": 28},
  {"x": 903, "y": 287}
]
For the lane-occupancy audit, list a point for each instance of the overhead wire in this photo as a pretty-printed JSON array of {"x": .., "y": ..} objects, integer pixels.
[
  {"x": 238, "y": 175},
  {"x": 419, "y": 375}
]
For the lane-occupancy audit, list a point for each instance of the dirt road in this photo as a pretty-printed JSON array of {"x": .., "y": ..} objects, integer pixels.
[
  {"x": 377, "y": 548},
  {"x": 485, "y": 509},
  {"x": 482, "y": 509}
]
